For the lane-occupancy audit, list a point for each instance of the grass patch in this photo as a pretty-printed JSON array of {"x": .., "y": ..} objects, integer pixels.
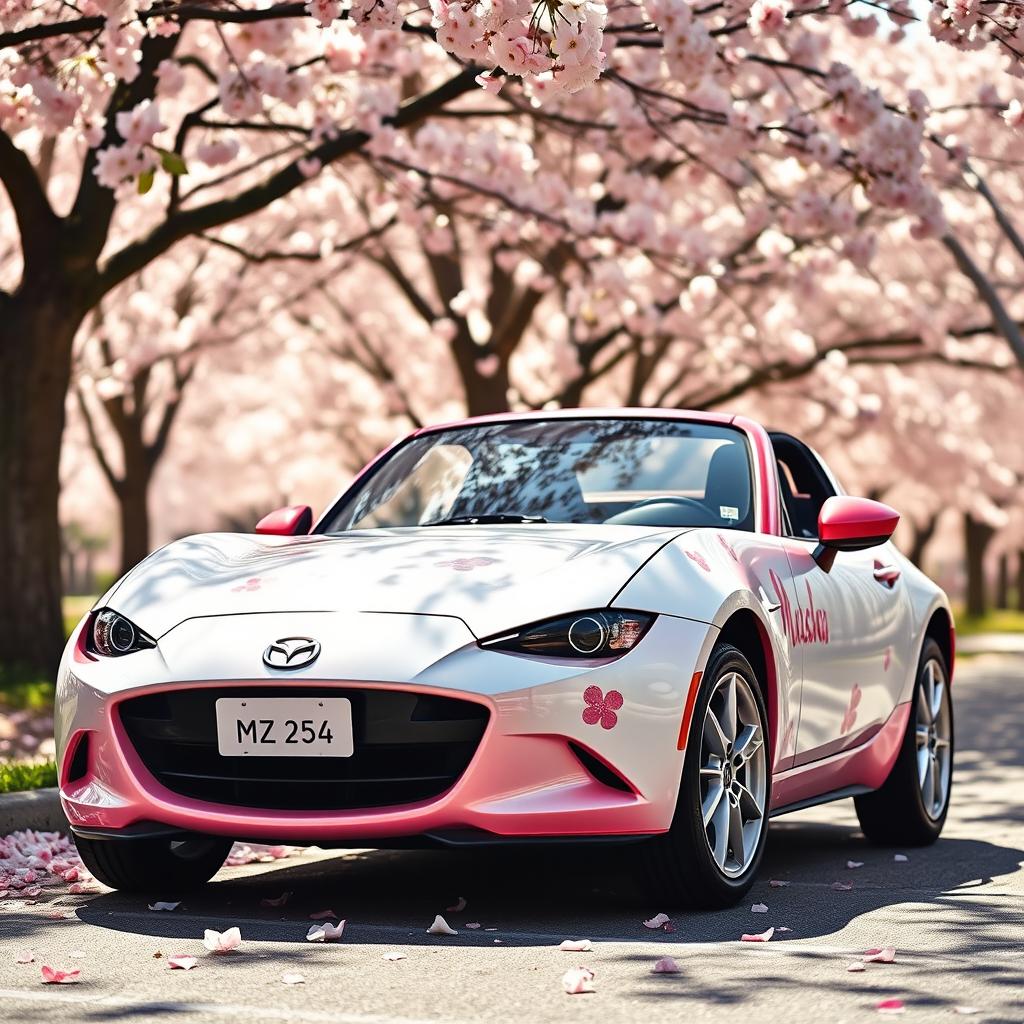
[
  {"x": 18, "y": 776},
  {"x": 21, "y": 688},
  {"x": 997, "y": 620}
]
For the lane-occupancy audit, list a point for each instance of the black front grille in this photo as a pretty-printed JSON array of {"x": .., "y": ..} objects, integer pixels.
[{"x": 408, "y": 747}]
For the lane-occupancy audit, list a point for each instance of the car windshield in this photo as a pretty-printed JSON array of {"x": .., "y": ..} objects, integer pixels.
[{"x": 631, "y": 471}]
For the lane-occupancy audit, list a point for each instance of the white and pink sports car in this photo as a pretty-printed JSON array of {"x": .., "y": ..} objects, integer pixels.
[{"x": 639, "y": 626}]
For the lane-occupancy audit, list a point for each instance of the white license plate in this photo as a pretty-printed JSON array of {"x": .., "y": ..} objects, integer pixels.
[{"x": 284, "y": 726}]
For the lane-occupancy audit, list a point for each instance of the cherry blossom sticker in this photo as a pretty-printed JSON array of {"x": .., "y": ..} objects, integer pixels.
[
  {"x": 601, "y": 707},
  {"x": 850, "y": 716},
  {"x": 699, "y": 559},
  {"x": 250, "y": 585}
]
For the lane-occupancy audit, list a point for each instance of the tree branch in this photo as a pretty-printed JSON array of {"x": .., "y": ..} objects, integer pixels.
[
  {"x": 1004, "y": 324},
  {"x": 195, "y": 221},
  {"x": 38, "y": 225}
]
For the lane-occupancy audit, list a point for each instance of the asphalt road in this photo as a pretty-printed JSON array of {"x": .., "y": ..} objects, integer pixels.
[{"x": 954, "y": 912}]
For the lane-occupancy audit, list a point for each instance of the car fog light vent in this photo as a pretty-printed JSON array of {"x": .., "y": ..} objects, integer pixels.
[
  {"x": 602, "y": 772},
  {"x": 78, "y": 765}
]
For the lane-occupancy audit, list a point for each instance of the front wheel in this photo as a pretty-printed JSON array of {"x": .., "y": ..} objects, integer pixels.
[
  {"x": 711, "y": 853},
  {"x": 910, "y": 808},
  {"x": 154, "y": 865}
]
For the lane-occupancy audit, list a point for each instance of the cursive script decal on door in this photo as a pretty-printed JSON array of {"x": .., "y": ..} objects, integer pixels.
[{"x": 802, "y": 625}]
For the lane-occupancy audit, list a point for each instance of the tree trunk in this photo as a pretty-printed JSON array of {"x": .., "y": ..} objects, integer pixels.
[
  {"x": 1003, "y": 581},
  {"x": 922, "y": 535},
  {"x": 484, "y": 395},
  {"x": 133, "y": 504},
  {"x": 37, "y": 327},
  {"x": 977, "y": 536},
  {"x": 1020, "y": 580}
]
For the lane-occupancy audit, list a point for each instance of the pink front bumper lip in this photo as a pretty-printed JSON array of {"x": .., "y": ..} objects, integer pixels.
[{"x": 515, "y": 785}]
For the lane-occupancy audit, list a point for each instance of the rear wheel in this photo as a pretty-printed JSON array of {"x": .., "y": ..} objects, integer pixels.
[
  {"x": 154, "y": 865},
  {"x": 910, "y": 808},
  {"x": 711, "y": 853}
]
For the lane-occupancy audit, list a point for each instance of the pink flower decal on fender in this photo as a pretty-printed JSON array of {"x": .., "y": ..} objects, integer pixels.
[
  {"x": 248, "y": 586},
  {"x": 728, "y": 547},
  {"x": 887, "y": 659},
  {"x": 465, "y": 564},
  {"x": 851, "y": 711},
  {"x": 601, "y": 707},
  {"x": 695, "y": 556}
]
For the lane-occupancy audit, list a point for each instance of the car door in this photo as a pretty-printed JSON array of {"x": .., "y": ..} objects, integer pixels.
[{"x": 849, "y": 624}]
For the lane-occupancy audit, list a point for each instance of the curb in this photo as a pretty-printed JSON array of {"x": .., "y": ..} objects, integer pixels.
[{"x": 37, "y": 809}]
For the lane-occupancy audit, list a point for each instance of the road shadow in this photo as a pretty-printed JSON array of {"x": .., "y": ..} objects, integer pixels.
[{"x": 530, "y": 893}]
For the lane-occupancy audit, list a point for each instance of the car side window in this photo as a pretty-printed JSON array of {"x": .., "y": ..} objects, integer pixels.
[{"x": 803, "y": 484}]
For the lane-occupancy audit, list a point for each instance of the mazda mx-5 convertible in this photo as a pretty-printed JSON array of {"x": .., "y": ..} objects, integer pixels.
[{"x": 644, "y": 627}]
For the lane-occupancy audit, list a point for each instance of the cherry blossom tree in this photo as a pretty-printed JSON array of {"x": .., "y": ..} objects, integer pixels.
[{"x": 704, "y": 154}]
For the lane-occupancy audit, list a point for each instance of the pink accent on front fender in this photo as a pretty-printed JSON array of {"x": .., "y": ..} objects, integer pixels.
[
  {"x": 515, "y": 785},
  {"x": 867, "y": 765}
]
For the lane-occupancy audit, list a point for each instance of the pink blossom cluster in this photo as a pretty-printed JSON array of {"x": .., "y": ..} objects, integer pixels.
[
  {"x": 136, "y": 154},
  {"x": 33, "y": 862}
]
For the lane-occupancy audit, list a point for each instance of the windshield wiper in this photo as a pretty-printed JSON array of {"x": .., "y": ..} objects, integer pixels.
[{"x": 487, "y": 518}]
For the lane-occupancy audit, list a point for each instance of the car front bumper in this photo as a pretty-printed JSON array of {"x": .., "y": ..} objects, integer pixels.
[{"x": 538, "y": 770}]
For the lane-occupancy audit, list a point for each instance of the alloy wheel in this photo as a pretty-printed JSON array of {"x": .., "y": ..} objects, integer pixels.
[
  {"x": 933, "y": 733},
  {"x": 733, "y": 774}
]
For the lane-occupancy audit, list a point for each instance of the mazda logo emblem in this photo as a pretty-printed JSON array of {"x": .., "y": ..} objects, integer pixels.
[{"x": 291, "y": 652}]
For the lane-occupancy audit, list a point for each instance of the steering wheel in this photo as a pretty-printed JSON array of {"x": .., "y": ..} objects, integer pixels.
[{"x": 690, "y": 506}]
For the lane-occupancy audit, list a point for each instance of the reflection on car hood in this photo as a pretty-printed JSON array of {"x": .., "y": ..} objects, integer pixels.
[{"x": 491, "y": 577}]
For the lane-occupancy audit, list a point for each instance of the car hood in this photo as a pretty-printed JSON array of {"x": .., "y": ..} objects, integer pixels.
[{"x": 491, "y": 577}]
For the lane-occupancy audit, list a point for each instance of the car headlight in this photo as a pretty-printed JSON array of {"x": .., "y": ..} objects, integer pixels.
[
  {"x": 594, "y": 634},
  {"x": 112, "y": 635}
]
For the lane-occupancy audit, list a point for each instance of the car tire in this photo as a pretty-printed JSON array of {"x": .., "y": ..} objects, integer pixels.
[
  {"x": 154, "y": 865},
  {"x": 682, "y": 868},
  {"x": 900, "y": 813}
]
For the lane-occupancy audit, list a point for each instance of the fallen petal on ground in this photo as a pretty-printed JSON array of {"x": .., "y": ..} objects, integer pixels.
[
  {"x": 325, "y": 932},
  {"x": 458, "y": 907},
  {"x": 394, "y": 956},
  {"x": 890, "y": 1006},
  {"x": 842, "y": 886},
  {"x": 578, "y": 980},
  {"x": 473, "y": 924},
  {"x": 164, "y": 906},
  {"x": 293, "y": 979},
  {"x": 885, "y": 955},
  {"x": 322, "y": 915},
  {"x": 222, "y": 942},
  {"x": 760, "y": 937},
  {"x": 851, "y": 864},
  {"x": 658, "y": 921},
  {"x": 24, "y": 957},
  {"x": 182, "y": 963},
  {"x": 900, "y": 858},
  {"x": 666, "y": 965},
  {"x": 441, "y": 927},
  {"x": 777, "y": 883},
  {"x": 55, "y": 976},
  {"x": 759, "y": 908},
  {"x": 276, "y": 901},
  {"x": 856, "y": 968},
  {"x": 576, "y": 946}
]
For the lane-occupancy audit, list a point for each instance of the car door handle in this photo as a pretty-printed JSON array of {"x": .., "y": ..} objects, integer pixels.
[{"x": 886, "y": 574}]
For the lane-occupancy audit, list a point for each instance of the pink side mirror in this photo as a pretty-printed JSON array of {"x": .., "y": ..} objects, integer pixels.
[
  {"x": 290, "y": 521},
  {"x": 852, "y": 524}
]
